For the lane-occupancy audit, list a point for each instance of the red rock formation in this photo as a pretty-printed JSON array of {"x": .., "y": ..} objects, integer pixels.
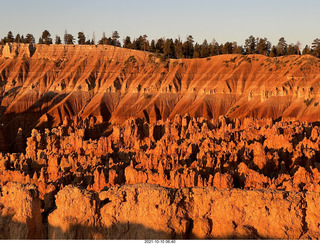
[
  {"x": 20, "y": 212},
  {"x": 48, "y": 86},
  {"x": 75, "y": 215},
  {"x": 147, "y": 211},
  {"x": 88, "y": 140}
]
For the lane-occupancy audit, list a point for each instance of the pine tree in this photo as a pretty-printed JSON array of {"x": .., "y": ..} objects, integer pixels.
[
  {"x": 65, "y": 37},
  {"x": 104, "y": 39},
  {"x": 115, "y": 37},
  {"x": 160, "y": 45},
  {"x": 40, "y": 40},
  {"x": 81, "y": 38},
  {"x": 9, "y": 37},
  {"x": 168, "y": 49},
  {"x": 196, "y": 51},
  {"x": 204, "y": 49},
  {"x": 282, "y": 47},
  {"x": 263, "y": 46},
  {"x": 250, "y": 45},
  {"x": 127, "y": 42},
  {"x": 46, "y": 38},
  {"x": 178, "y": 48},
  {"x": 291, "y": 49},
  {"x": 139, "y": 43},
  {"x": 215, "y": 48},
  {"x": 236, "y": 49},
  {"x": 187, "y": 47},
  {"x": 68, "y": 38},
  {"x": 315, "y": 48},
  {"x": 306, "y": 50},
  {"x": 30, "y": 39},
  {"x": 227, "y": 48},
  {"x": 57, "y": 40},
  {"x": 18, "y": 38},
  {"x": 145, "y": 42},
  {"x": 273, "y": 52},
  {"x": 23, "y": 40},
  {"x": 152, "y": 47}
]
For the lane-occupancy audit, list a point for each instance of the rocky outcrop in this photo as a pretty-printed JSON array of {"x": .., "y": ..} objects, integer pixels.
[
  {"x": 101, "y": 142},
  {"x": 210, "y": 179},
  {"x": 184, "y": 152},
  {"x": 20, "y": 212},
  {"x": 40, "y": 85},
  {"x": 75, "y": 216},
  {"x": 147, "y": 211}
]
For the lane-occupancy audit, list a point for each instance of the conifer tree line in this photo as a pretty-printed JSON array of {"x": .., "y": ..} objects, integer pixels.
[{"x": 175, "y": 48}]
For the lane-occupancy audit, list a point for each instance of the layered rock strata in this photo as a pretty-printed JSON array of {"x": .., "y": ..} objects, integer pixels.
[
  {"x": 101, "y": 142},
  {"x": 41, "y": 84}
]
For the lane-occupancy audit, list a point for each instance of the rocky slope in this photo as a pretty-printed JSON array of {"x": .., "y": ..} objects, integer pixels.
[
  {"x": 100, "y": 142},
  {"x": 41, "y": 84}
]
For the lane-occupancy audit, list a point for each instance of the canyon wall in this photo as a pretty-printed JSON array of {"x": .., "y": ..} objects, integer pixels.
[
  {"x": 41, "y": 84},
  {"x": 147, "y": 211},
  {"x": 189, "y": 178},
  {"x": 102, "y": 142}
]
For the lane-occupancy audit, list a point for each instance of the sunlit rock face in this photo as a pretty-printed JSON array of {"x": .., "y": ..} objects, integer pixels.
[
  {"x": 186, "y": 178},
  {"x": 101, "y": 142},
  {"x": 40, "y": 85}
]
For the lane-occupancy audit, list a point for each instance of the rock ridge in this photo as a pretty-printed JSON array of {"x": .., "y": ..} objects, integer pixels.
[
  {"x": 147, "y": 211},
  {"x": 41, "y": 84}
]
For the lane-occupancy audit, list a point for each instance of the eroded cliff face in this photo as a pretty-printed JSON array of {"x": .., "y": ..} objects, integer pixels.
[
  {"x": 41, "y": 84},
  {"x": 184, "y": 178},
  {"x": 184, "y": 152},
  {"x": 100, "y": 142},
  {"x": 20, "y": 212},
  {"x": 146, "y": 211}
]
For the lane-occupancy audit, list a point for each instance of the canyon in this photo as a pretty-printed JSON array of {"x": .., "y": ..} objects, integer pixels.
[{"x": 103, "y": 142}]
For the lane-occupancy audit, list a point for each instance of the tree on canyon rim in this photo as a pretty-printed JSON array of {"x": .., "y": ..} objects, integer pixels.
[
  {"x": 115, "y": 37},
  {"x": 168, "y": 50},
  {"x": 30, "y": 39},
  {"x": 144, "y": 42},
  {"x": 127, "y": 42},
  {"x": 46, "y": 37},
  {"x": 104, "y": 40},
  {"x": 81, "y": 38},
  {"x": 263, "y": 46},
  {"x": 188, "y": 47},
  {"x": 68, "y": 38},
  {"x": 316, "y": 47},
  {"x": 250, "y": 45},
  {"x": 18, "y": 38},
  {"x": 282, "y": 47},
  {"x": 58, "y": 40}
]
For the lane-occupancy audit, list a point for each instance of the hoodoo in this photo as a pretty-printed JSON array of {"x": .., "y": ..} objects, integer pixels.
[
  {"x": 51, "y": 82},
  {"x": 104, "y": 142}
]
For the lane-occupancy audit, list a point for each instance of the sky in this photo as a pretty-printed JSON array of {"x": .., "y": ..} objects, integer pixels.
[{"x": 233, "y": 20}]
